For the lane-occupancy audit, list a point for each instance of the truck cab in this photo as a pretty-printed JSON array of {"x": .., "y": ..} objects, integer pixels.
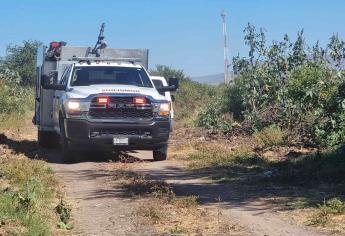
[{"x": 107, "y": 101}]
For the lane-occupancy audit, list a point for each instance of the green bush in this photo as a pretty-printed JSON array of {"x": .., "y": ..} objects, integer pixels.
[
  {"x": 15, "y": 98},
  {"x": 28, "y": 201},
  {"x": 279, "y": 85},
  {"x": 213, "y": 116},
  {"x": 270, "y": 137},
  {"x": 190, "y": 97},
  {"x": 21, "y": 59}
]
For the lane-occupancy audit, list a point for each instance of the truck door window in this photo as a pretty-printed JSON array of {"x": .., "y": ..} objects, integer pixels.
[
  {"x": 158, "y": 83},
  {"x": 89, "y": 75},
  {"x": 65, "y": 76}
]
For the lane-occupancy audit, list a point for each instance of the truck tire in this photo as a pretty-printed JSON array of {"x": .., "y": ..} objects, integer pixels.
[
  {"x": 67, "y": 153},
  {"x": 160, "y": 154},
  {"x": 47, "y": 139}
]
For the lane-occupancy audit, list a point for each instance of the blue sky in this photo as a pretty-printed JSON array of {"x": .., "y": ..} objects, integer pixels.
[{"x": 185, "y": 34}]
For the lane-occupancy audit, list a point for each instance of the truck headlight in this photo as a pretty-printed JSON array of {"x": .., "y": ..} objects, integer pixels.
[
  {"x": 164, "y": 109},
  {"x": 73, "y": 106},
  {"x": 76, "y": 107}
]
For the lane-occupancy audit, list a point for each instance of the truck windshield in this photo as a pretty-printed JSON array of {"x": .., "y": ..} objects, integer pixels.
[{"x": 89, "y": 75}]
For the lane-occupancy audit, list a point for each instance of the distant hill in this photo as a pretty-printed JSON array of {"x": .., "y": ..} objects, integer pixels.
[{"x": 210, "y": 79}]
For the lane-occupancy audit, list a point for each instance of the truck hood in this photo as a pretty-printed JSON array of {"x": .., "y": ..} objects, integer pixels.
[{"x": 85, "y": 91}]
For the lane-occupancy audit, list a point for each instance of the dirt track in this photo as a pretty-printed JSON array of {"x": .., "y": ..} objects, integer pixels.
[{"x": 100, "y": 208}]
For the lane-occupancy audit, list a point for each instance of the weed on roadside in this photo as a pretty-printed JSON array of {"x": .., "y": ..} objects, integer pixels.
[
  {"x": 218, "y": 156},
  {"x": 28, "y": 197},
  {"x": 270, "y": 137},
  {"x": 185, "y": 201},
  {"x": 139, "y": 185},
  {"x": 299, "y": 179},
  {"x": 326, "y": 210},
  {"x": 169, "y": 213},
  {"x": 64, "y": 213},
  {"x": 177, "y": 229},
  {"x": 152, "y": 212}
]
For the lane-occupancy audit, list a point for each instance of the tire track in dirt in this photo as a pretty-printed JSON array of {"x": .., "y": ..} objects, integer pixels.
[
  {"x": 98, "y": 205},
  {"x": 256, "y": 216}
]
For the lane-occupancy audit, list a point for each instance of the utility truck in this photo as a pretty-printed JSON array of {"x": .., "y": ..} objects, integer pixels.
[{"x": 100, "y": 97}]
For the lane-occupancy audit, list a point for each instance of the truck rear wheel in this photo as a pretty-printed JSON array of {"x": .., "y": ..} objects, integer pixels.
[
  {"x": 47, "y": 139},
  {"x": 160, "y": 154},
  {"x": 67, "y": 153}
]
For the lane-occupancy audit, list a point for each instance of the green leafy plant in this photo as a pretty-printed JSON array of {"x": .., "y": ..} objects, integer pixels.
[
  {"x": 64, "y": 213},
  {"x": 214, "y": 117},
  {"x": 31, "y": 193},
  {"x": 270, "y": 137}
]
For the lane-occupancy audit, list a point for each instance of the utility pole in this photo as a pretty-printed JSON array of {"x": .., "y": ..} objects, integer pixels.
[{"x": 226, "y": 49}]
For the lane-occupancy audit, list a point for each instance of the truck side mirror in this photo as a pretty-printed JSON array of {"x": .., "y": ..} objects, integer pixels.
[
  {"x": 173, "y": 86},
  {"x": 174, "y": 82},
  {"x": 60, "y": 87},
  {"x": 50, "y": 82},
  {"x": 45, "y": 80}
]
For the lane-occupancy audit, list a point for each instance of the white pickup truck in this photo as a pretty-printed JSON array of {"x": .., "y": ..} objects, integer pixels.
[{"x": 109, "y": 101}]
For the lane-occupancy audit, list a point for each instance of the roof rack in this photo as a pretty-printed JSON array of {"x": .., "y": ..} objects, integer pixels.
[{"x": 89, "y": 59}]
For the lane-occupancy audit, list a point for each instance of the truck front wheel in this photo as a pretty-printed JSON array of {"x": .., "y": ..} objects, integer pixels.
[
  {"x": 67, "y": 153},
  {"x": 160, "y": 154},
  {"x": 47, "y": 139}
]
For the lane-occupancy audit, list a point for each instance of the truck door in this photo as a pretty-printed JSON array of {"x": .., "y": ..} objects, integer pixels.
[
  {"x": 39, "y": 69},
  {"x": 58, "y": 96}
]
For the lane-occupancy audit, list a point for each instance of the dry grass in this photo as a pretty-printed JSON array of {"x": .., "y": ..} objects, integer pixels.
[
  {"x": 169, "y": 213},
  {"x": 15, "y": 121},
  {"x": 201, "y": 154},
  {"x": 190, "y": 220},
  {"x": 297, "y": 172}
]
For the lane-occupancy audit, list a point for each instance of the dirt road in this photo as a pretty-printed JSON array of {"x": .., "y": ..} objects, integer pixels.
[{"x": 101, "y": 208}]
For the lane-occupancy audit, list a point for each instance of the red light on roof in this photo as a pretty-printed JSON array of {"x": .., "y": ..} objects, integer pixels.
[
  {"x": 103, "y": 100},
  {"x": 55, "y": 44},
  {"x": 139, "y": 100}
]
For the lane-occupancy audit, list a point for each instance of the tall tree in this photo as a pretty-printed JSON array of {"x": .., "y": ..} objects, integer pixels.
[{"x": 21, "y": 59}]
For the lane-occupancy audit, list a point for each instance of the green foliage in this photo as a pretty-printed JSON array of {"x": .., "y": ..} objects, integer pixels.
[
  {"x": 21, "y": 59},
  {"x": 286, "y": 84},
  {"x": 29, "y": 196},
  {"x": 17, "y": 75},
  {"x": 15, "y": 98},
  {"x": 311, "y": 170},
  {"x": 177, "y": 230},
  {"x": 328, "y": 208},
  {"x": 167, "y": 72},
  {"x": 27, "y": 202},
  {"x": 270, "y": 137},
  {"x": 28, "y": 223},
  {"x": 207, "y": 156},
  {"x": 64, "y": 213},
  {"x": 190, "y": 97},
  {"x": 213, "y": 116},
  {"x": 334, "y": 206}
]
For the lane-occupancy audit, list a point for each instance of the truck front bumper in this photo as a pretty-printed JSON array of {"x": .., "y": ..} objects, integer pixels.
[{"x": 142, "y": 135}]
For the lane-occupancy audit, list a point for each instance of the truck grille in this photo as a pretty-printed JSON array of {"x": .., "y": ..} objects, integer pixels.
[
  {"x": 118, "y": 131},
  {"x": 120, "y": 108}
]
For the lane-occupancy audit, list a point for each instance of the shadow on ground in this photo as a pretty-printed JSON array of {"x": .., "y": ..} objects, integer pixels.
[
  {"x": 31, "y": 149},
  {"x": 296, "y": 182}
]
